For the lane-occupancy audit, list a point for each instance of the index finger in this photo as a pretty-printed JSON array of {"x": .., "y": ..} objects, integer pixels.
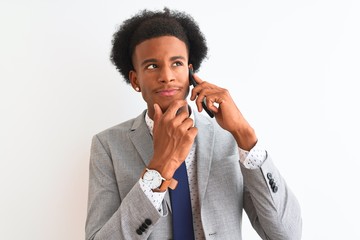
[
  {"x": 174, "y": 107},
  {"x": 197, "y": 79}
]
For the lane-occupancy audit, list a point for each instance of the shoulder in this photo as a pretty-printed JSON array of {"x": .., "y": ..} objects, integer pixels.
[{"x": 122, "y": 128}]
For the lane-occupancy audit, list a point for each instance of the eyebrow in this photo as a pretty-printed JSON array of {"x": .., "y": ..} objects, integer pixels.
[{"x": 152, "y": 60}]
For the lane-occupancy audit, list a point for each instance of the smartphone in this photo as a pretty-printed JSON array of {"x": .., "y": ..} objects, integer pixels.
[{"x": 193, "y": 82}]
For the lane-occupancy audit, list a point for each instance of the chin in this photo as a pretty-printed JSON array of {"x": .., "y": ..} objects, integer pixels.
[{"x": 165, "y": 104}]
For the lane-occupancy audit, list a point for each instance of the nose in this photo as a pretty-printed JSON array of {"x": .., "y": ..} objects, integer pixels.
[{"x": 166, "y": 75}]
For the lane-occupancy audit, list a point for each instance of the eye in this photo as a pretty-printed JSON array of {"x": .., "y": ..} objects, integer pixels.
[
  {"x": 151, "y": 66},
  {"x": 178, "y": 63}
]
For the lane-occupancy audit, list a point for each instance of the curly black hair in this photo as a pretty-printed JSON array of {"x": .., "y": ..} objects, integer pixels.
[{"x": 149, "y": 24}]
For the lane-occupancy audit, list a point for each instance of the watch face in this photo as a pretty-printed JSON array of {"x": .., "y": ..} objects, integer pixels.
[{"x": 152, "y": 178}]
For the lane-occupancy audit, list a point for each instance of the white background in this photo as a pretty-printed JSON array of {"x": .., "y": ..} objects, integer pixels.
[{"x": 292, "y": 67}]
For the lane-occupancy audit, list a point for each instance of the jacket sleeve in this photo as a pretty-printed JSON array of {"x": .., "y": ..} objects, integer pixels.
[
  {"x": 109, "y": 215},
  {"x": 272, "y": 208}
]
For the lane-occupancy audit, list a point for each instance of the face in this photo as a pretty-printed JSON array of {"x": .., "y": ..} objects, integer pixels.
[{"x": 161, "y": 71}]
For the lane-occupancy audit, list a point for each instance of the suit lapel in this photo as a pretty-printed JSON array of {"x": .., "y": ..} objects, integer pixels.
[
  {"x": 141, "y": 138},
  {"x": 204, "y": 152}
]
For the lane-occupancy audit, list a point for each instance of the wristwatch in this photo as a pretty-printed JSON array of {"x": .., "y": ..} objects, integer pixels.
[{"x": 156, "y": 182}]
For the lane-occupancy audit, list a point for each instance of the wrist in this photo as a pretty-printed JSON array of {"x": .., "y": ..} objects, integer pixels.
[
  {"x": 165, "y": 168},
  {"x": 245, "y": 138}
]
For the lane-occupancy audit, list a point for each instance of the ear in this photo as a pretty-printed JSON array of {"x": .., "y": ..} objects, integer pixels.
[
  {"x": 191, "y": 66},
  {"x": 133, "y": 80}
]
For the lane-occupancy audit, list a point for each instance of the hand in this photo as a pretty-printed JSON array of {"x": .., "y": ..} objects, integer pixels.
[
  {"x": 173, "y": 136},
  {"x": 225, "y": 110}
]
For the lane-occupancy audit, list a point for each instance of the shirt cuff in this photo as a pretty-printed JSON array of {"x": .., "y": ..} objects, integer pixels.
[
  {"x": 254, "y": 158},
  {"x": 155, "y": 198}
]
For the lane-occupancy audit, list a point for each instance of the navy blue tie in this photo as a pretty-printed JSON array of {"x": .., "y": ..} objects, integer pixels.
[{"x": 181, "y": 206}]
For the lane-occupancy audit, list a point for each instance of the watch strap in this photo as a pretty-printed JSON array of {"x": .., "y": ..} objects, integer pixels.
[{"x": 171, "y": 183}]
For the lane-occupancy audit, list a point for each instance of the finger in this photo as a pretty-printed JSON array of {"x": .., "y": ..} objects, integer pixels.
[
  {"x": 199, "y": 88},
  {"x": 183, "y": 113},
  {"x": 190, "y": 135},
  {"x": 184, "y": 109},
  {"x": 198, "y": 105},
  {"x": 187, "y": 124},
  {"x": 197, "y": 79},
  {"x": 174, "y": 108},
  {"x": 214, "y": 103},
  {"x": 202, "y": 98},
  {"x": 180, "y": 117},
  {"x": 198, "y": 95},
  {"x": 193, "y": 132},
  {"x": 200, "y": 84},
  {"x": 193, "y": 94}
]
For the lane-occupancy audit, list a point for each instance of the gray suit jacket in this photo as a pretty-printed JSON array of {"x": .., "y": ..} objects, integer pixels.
[{"x": 117, "y": 206}]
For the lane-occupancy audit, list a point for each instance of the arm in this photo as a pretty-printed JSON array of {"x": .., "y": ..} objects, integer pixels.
[
  {"x": 110, "y": 216},
  {"x": 173, "y": 136},
  {"x": 273, "y": 212},
  {"x": 114, "y": 214}
]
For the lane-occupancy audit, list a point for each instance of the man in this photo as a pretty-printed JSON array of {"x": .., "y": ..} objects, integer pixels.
[{"x": 134, "y": 165}]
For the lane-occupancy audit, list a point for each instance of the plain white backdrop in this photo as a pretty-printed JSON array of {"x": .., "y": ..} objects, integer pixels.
[{"x": 292, "y": 67}]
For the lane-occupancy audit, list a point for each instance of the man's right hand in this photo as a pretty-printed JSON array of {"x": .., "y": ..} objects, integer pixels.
[{"x": 173, "y": 136}]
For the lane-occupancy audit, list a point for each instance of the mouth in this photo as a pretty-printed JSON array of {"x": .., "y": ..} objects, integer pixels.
[{"x": 168, "y": 92}]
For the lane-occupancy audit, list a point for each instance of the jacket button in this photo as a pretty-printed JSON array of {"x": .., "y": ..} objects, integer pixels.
[
  {"x": 138, "y": 231},
  {"x": 148, "y": 222},
  {"x": 275, "y": 189},
  {"x": 269, "y": 176},
  {"x": 272, "y": 182}
]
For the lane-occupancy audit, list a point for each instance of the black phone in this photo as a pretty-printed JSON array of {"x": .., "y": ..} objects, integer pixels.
[{"x": 203, "y": 103}]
